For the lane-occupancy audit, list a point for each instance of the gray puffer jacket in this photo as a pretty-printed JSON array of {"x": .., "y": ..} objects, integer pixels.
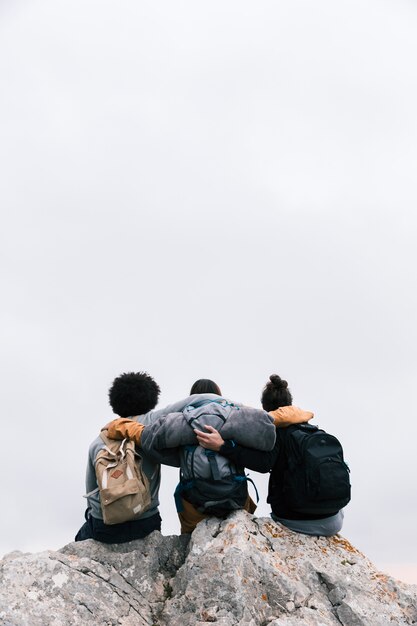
[{"x": 253, "y": 428}]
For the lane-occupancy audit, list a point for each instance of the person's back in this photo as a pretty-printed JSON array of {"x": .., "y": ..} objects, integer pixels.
[
  {"x": 277, "y": 401},
  {"x": 212, "y": 495},
  {"x": 210, "y": 485},
  {"x": 131, "y": 395},
  {"x": 275, "y": 396}
]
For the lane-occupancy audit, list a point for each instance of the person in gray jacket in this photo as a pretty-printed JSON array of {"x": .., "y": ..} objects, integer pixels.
[{"x": 131, "y": 395}]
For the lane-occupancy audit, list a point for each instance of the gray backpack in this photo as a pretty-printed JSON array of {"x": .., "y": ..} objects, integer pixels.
[{"x": 208, "y": 480}]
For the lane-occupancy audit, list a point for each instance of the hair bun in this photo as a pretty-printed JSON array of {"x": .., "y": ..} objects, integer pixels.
[{"x": 278, "y": 382}]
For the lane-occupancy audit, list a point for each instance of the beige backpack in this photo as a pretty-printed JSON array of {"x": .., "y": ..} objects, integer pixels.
[{"x": 124, "y": 489}]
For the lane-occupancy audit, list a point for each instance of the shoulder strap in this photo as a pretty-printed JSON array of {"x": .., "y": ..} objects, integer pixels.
[
  {"x": 212, "y": 459},
  {"x": 305, "y": 427},
  {"x": 116, "y": 447},
  {"x": 104, "y": 437}
]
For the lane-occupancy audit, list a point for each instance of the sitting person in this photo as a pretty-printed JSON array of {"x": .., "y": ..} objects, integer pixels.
[
  {"x": 186, "y": 500},
  {"x": 132, "y": 395},
  {"x": 277, "y": 399},
  {"x": 207, "y": 486}
]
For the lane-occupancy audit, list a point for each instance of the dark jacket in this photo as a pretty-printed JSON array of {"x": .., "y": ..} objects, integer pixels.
[{"x": 274, "y": 462}]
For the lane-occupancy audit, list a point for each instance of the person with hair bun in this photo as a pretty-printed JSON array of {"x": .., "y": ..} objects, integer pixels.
[
  {"x": 277, "y": 400},
  {"x": 276, "y": 393}
]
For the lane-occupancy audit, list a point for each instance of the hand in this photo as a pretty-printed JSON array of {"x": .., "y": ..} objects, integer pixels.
[
  {"x": 123, "y": 428},
  {"x": 212, "y": 440}
]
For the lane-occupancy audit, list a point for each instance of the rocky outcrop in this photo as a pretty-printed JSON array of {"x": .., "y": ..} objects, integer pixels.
[{"x": 240, "y": 571}]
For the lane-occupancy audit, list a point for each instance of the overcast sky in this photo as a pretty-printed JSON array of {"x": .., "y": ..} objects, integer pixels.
[{"x": 219, "y": 189}]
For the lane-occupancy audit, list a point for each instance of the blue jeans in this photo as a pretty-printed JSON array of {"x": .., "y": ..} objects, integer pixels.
[{"x": 117, "y": 533}]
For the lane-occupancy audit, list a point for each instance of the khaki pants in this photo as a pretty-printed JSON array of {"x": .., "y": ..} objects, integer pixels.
[{"x": 189, "y": 516}]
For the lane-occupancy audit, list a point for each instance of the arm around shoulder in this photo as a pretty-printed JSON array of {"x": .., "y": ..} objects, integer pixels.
[
  {"x": 124, "y": 428},
  {"x": 288, "y": 415},
  {"x": 256, "y": 460}
]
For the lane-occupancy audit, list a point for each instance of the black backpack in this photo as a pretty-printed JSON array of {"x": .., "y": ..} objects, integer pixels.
[{"x": 315, "y": 478}]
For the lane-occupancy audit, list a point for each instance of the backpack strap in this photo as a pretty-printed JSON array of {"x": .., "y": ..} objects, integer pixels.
[
  {"x": 254, "y": 486},
  {"x": 303, "y": 427},
  {"x": 212, "y": 459}
]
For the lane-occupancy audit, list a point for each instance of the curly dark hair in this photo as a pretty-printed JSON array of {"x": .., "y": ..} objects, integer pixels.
[
  {"x": 133, "y": 394},
  {"x": 205, "y": 385},
  {"x": 275, "y": 393}
]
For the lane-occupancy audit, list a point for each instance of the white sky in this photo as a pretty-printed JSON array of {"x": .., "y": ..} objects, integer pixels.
[{"x": 223, "y": 190}]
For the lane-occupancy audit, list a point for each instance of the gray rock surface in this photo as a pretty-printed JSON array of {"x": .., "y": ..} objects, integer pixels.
[{"x": 240, "y": 571}]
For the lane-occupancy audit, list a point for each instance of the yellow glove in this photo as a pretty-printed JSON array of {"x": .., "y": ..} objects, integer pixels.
[
  {"x": 125, "y": 428},
  {"x": 287, "y": 415}
]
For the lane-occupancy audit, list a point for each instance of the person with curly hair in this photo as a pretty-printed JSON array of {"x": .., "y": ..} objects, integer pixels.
[
  {"x": 133, "y": 397},
  {"x": 131, "y": 394}
]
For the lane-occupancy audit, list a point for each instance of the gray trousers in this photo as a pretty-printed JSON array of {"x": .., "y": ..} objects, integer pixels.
[{"x": 319, "y": 527}]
